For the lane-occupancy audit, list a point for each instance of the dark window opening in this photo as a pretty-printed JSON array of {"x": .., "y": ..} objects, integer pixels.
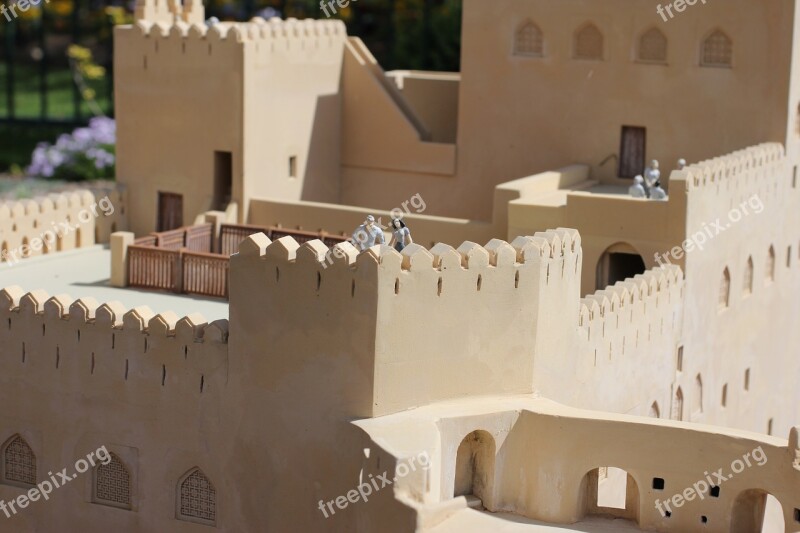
[
  {"x": 617, "y": 266},
  {"x": 658, "y": 483},
  {"x": 632, "y": 151},
  {"x": 223, "y": 179}
]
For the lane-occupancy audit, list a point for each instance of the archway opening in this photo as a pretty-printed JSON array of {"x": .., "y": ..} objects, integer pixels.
[
  {"x": 475, "y": 468},
  {"x": 618, "y": 263},
  {"x": 611, "y": 491},
  {"x": 757, "y": 511}
]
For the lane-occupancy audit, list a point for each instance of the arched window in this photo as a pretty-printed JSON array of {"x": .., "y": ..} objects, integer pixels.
[
  {"x": 697, "y": 405},
  {"x": 771, "y": 264},
  {"x": 677, "y": 405},
  {"x": 717, "y": 50},
  {"x": 19, "y": 463},
  {"x": 528, "y": 41},
  {"x": 197, "y": 498},
  {"x": 748, "y": 276},
  {"x": 725, "y": 289},
  {"x": 589, "y": 43},
  {"x": 653, "y": 46},
  {"x": 112, "y": 484}
]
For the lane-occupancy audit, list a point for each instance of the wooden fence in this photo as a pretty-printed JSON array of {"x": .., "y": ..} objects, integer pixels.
[
  {"x": 180, "y": 260},
  {"x": 154, "y": 268},
  {"x": 205, "y": 274}
]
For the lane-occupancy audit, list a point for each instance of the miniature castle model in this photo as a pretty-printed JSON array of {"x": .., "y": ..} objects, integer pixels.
[{"x": 595, "y": 375}]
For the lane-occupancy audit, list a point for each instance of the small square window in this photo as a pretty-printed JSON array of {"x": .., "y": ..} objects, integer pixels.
[
  {"x": 668, "y": 514},
  {"x": 714, "y": 492},
  {"x": 293, "y": 166},
  {"x": 658, "y": 483},
  {"x": 704, "y": 519}
]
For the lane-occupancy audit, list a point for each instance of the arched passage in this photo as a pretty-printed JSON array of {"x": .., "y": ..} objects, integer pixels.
[
  {"x": 475, "y": 466},
  {"x": 757, "y": 511},
  {"x": 611, "y": 491},
  {"x": 618, "y": 263}
]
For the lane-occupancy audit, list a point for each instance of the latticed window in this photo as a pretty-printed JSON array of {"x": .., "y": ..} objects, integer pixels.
[
  {"x": 748, "y": 276},
  {"x": 19, "y": 463},
  {"x": 589, "y": 43},
  {"x": 717, "y": 50},
  {"x": 112, "y": 484},
  {"x": 725, "y": 289},
  {"x": 653, "y": 46},
  {"x": 529, "y": 41},
  {"x": 197, "y": 498}
]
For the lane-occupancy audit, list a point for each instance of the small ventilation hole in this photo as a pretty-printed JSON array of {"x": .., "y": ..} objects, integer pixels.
[
  {"x": 516, "y": 280},
  {"x": 113, "y": 340},
  {"x": 163, "y": 374},
  {"x": 353, "y": 289},
  {"x": 43, "y": 330},
  {"x": 277, "y": 274},
  {"x": 79, "y": 335},
  {"x": 319, "y": 280},
  {"x": 439, "y": 287},
  {"x": 202, "y": 382},
  {"x": 185, "y": 351},
  {"x": 23, "y": 352},
  {"x": 58, "y": 356},
  {"x": 397, "y": 286},
  {"x": 91, "y": 371},
  {"x": 480, "y": 281},
  {"x": 126, "y": 370},
  {"x": 145, "y": 345}
]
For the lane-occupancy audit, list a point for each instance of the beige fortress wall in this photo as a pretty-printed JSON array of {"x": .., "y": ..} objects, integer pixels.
[
  {"x": 179, "y": 98},
  {"x": 558, "y": 110},
  {"x": 758, "y": 331},
  {"x": 433, "y": 98},
  {"x": 22, "y": 222},
  {"x": 388, "y": 153},
  {"x": 425, "y": 230},
  {"x": 538, "y": 456},
  {"x": 565, "y": 198},
  {"x": 148, "y": 387},
  {"x": 292, "y": 78}
]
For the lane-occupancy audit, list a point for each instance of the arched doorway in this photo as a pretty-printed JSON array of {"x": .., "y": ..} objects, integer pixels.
[
  {"x": 475, "y": 467},
  {"x": 618, "y": 263},
  {"x": 611, "y": 491},
  {"x": 757, "y": 511}
]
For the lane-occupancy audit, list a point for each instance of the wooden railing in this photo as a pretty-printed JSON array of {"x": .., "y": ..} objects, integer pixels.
[
  {"x": 179, "y": 260},
  {"x": 154, "y": 268},
  {"x": 205, "y": 274},
  {"x": 199, "y": 238}
]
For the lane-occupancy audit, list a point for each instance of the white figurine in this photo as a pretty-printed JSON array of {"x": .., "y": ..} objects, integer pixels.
[
  {"x": 401, "y": 235},
  {"x": 637, "y": 189},
  {"x": 657, "y": 193},
  {"x": 681, "y": 164},
  {"x": 368, "y": 235},
  {"x": 652, "y": 175}
]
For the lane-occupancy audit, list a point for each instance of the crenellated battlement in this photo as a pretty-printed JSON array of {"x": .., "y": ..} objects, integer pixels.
[
  {"x": 280, "y": 35},
  {"x": 757, "y": 162},
  {"x": 62, "y": 335}
]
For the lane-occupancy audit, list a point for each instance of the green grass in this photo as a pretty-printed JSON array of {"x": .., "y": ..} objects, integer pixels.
[
  {"x": 17, "y": 141},
  {"x": 60, "y": 95}
]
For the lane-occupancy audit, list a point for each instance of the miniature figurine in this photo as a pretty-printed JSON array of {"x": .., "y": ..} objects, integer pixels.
[
  {"x": 401, "y": 235},
  {"x": 637, "y": 189},
  {"x": 681, "y": 164},
  {"x": 652, "y": 176},
  {"x": 368, "y": 235},
  {"x": 657, "y": 193}
]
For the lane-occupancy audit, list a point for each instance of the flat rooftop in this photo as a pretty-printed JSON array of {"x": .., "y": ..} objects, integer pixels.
[{"x": 86, "y": 272}]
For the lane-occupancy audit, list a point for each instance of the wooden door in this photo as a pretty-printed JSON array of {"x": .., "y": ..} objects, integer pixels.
[
  {"x": 170, "y": 211},
  {"x": 632, "y": 151}
]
